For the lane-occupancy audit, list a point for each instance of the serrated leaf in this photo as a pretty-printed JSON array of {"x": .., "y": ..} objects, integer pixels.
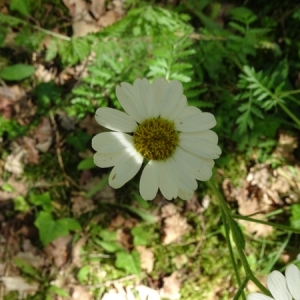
[
  {"x": 262, "y": 96},
  {"x": 17, "y": 72},
  {"x": 21, "y": 6},
  {"x": 257, "y": 112},
  {"x": 130, "y": 262}
]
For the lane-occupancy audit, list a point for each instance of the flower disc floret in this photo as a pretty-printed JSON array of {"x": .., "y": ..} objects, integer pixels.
[{"x": 156, "y": 139}]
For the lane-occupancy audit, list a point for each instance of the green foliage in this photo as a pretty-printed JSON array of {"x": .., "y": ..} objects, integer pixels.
[
  {"x": 295, "y": 217},
  {"x": 129, "y": 262},
  {"x": 21, "y": 6},
  {"x": 16, "y": 72},
  {"x": 50, "y": 229}
]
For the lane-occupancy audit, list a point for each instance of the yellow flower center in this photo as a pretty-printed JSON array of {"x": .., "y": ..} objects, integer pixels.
[{"x": 156, "y": 139}]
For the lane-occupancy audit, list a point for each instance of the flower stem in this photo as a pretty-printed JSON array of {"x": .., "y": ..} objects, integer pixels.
[{"x": 236, "y": 238}]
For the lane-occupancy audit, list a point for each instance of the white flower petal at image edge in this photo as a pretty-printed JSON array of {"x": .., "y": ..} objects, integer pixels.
[
  {"x": 281, "y": 287},
  {"x": 158, "y": 127}
]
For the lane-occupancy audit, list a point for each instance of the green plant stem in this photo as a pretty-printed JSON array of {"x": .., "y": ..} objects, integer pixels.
[
  {"x": 235, "y": 235},
  {"x": 282, "y": 227},
  {"x": 234, "y": 264},
  {"x": 289, "y": 113},
  {"x": 241, "y": 288}
]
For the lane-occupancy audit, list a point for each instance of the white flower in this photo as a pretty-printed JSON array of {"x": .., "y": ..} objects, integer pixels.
[
  {"x": 158, "y": 127},
  {"x": 281, "y": 288}
]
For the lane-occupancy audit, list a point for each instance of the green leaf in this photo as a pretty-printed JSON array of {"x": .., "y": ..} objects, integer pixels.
[
  {"x": 130, "y": 262},
  {"x": 43, "y": 200},
  {"x": 50, "y": 229},
  {"x": 108, "y": 235},
  {"x": 239, "y": 235},
  {"x": 83, "y": 274},
  {"x": 140, "y": 236},
  {"x": 110, "y": 247},
  {"x": 99, "y": 186},
  {"x": 295, "y": 217},
  {"x": 86, "y": 164},
  {"x": 57, "y": 291},
  {"x": 21, "y": 6},
  {"x": 142, "y": 214},
  {"x": 20, "y": 204},
  {"x": 17, "y": 72},
  {"x": 6, "y": 187},
  {"x": 26, "y": 267}
]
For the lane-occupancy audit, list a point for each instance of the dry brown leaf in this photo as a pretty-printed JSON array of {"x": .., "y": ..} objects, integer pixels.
[
  {"x": 98, "y": 8},
  {"x": 90, "y": 125},
  {"x": 80, "y": 292},
  {"x": 147, "y": 258},
  {"x": 14, "y": 161},
  {"x": 43, "y": 135},
  {"x": 32, "y": 153},
  {"x": 174, "y": 225},
  {"x": 32, "y": 259},
  {"x": 59, "y": 250},
  {"x": 76, "y": 257},
  {"x": 171, "y": 287},
  {"x": 82, "y": 21},
  {"x": 146, "y": 293},
  {"x": 17, "y": 283},
  {"x": 81, "y": 205}
]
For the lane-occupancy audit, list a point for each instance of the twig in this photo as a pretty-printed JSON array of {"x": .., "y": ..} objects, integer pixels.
[{"x": 58, "y": 152}]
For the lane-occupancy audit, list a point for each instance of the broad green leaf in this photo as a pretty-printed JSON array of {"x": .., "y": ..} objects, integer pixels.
[
  {"x": 130, "y": 262},
  {"x": 21, "y": 6},
  {"x": 110, "y": 247},
  {"x": 140, "y": 236},
  {"x": 295, "y": 217},
  {"x": 20, "y": 204},
  {"x": 108, "y": 235},
  {"x": 50, "y": 229},
  {"x": 86, "y": 164},
  {"x": 83, "y": 274},
  {"x": 16, "y": 72},
  {"x": 6, "y": 187},
  {"x": 43, "y": 200},
  {"x": 57, "y": 291}
]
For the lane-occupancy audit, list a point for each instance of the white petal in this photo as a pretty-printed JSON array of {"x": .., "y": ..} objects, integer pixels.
[
  {"x": 292, "y": 275},
  {"x": 167, "y": 185},
  {"x": 258, "y": 296},
  {"x": 106, "y": 160},
  {"x": 149, "y": 181},
  {"x": 201, "y": 147},
  {"x": 182, "y": 173},
  {"x": 208, "y": 135},
  {"x": 115, "y": 120},
  {"x": 277, "y": 285},
  {"x": 181, "y": 105},
  {"x": 186, "y": 194},
  {"x": 130, "y": 101},
  {"x": 171, "y": 98},
  {"x": 189, "y": 111},
  {"x": 198, "y": 167},
  {"x": 159, "y": 86},
  {"x": 196, "y": 122},
  {"x": 138, "y": 91},
  {"x": 107, "y": 142},
  {"x": 147, "y": 97},
  {"x": 125, "y": 169}
]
